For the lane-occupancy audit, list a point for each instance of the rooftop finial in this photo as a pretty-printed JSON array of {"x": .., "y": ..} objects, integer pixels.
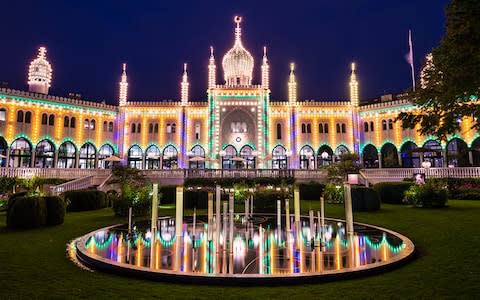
[
  {"x": 41, "y": 52},
  {"x": 211, "y": 51},
  {"x": 292, "y": 67},
  {"x": 124, "y": 67},
  {"x": 185, "y": 67},
  {"x": 353, "y": 67},
  {"x": 238, "y": 29}
]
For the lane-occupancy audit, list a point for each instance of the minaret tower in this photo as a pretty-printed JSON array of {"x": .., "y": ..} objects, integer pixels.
[
  {"x": 354, "y": 87},
  {"x": 40, "y": 73},
  {"x": 354, "y": 102},
  {"x": 265, "y": 70},
  {"x": 292, "y": 86},
  {"x": 184, "y": 86},
  {"x": 212, "y": 72},
  {"x": 122, "y": 99}
]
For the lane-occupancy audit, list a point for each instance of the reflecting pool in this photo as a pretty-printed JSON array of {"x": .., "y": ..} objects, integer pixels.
[{"x": 253, "y": 247}]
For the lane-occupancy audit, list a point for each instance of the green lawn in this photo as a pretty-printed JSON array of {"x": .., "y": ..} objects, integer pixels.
[{"x": 33, "y": 263}]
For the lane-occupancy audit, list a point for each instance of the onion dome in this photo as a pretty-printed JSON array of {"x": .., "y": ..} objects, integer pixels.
[
  {"x": 238, "y": 62},
  {"x": 40, "y": 73}
]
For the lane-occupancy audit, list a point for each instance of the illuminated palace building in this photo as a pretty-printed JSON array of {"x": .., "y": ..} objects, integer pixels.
[{"x": 237, "y": 126}]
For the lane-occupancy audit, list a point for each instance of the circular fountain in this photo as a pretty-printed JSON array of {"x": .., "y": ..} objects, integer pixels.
[{"x": 249, "y": 250}]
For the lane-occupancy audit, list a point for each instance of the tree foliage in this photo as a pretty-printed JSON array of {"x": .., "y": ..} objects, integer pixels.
[{"x": 450, "y": 87}]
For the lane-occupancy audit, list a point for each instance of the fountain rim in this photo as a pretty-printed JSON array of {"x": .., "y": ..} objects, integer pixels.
[{"x": 103, "y": 264}]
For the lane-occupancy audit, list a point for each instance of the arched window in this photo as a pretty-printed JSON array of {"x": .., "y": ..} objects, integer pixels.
[
  {"x": 370, "y": 157},
  {"x": 324, "y": 156},
  {"x": 3, "y": 152},
  {"x": 152, "y": 157},
  {"x": 389, "y": 156},
  {"x": 169, "y": 128},
  {"x": 28, "y": 117},
  {"x": 105, "y": 126},
  {"x": 320, "y": 128},
  {"x": 44, "y": 154},
  {"x": 66, "y": 155},
  {"x": 384, "y": 125},
  {"x": 155, "y": 128},
  {"x": 139, "y": 128},
  {"x": 170, "y": 157},
  {"x": 88, "y": 153},
  {"x": 66, "y": 122},
  {"x": 457, "y": 153},
  {"x": 309, "y": 128},
  {"x": 344, "y": 128},
  {"x": 197, "y": 131},
  {"x": 248, "y": 154},
  {"x": 51, "y": 120},
  {"x": 44, "y": 119},
  {"x": 86, "y": 124},
  {"x": 340, "y": 151},
  {"x": 279, "y": 131},
  {"x": 229, "y": 155},
  {"x": 390, "y": 124},
  {"x": 134, "y": 127},
  {"x": 304, "y": 128},
  {"x": 150, "y": 128},
  {"x": 371, "y": 126},
  {"x": 110, "y": 126},
  {"x": 20, "y": 154},
  {"x": 3, "y": 114},
  {"x": 338, "y": 128},
  {"x": 307, "y": 158},
  {"x": 135, "y": 157},
  {"x": 279, "y": 157},
  {"x": 365, "y": 126},
  {"x": 433, "y": 153},
  {"x": 72, "y": 122},
  {"x": 325, "y": 127},
  {"x": 410, "y": 157},
  {"x": 92, "y": 125},
  {"x": 104, "y": 152},
  {"x": 174, "y": 127},
  {"x": 197, "y": 158}
]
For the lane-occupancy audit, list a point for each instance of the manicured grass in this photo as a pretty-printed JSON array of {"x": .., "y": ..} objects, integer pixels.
[{"x": 33, "y": 263}]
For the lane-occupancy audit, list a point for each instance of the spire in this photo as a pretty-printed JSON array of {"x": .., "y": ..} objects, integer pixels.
[
  {"x": 40, "y": 73},
  {"x": 292, "y": 85},
  {"x": 353, "y": 86},
  {"x": 122, "y": 99},
  {"x": 238, "y": 30},
  {"x": 184, "y": 85},
  {"x": 265, "y": 70},
  {"x": 212, "y": 73}
]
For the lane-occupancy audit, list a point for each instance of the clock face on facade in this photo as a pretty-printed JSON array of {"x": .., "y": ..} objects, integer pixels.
[{"x": 238, "y": 139}]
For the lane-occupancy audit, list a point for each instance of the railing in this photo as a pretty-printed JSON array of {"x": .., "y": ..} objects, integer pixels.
[
  {"x": 77, "y": 184},
  {"x": 397, "y": 174},
  {"x": 52, "y": 172},
  {"x": 236, "y": 173}
]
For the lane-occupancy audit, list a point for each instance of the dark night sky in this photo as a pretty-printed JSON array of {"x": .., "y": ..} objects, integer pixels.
[{"x": 88, "y": 40}]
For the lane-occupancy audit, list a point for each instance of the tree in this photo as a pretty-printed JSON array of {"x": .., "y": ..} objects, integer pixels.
[{"x": 450, "y": 80}]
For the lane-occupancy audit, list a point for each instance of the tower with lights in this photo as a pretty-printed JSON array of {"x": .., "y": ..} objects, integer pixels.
[{"x": 40, "y": 73}]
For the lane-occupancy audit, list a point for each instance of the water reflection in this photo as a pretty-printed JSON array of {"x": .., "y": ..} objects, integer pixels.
[{"x": 257, "y": 247}]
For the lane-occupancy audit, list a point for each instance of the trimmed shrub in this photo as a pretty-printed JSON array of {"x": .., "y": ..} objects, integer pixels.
[
  {"x": 392, "y": 192},
  {"x": 430, "y": 194},
  {"x": 55, "y": 210},
  {"x": 168, "y": 194},
  {"x": 11, "y": 202},
  {"x": 139, "y": 199},
  {"x": 465, "y": 194},
  {"x": 27, "y": 212},
  {"x": 83, "y": 200},
  {"x": 364, "y": 199},
  {"x": 198, "y": 199},
  {"x": 311, "y": 191},
  {"x": 7, "y": 184},
  {"x": 266, "y": 200},
  {"x": 333, "y": 193}
]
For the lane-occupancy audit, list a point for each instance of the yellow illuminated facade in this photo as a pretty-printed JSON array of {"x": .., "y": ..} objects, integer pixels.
[{"x": 237, "y": 126}]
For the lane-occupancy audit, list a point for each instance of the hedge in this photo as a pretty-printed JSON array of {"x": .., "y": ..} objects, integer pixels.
[
  {"x": 27, "y": 212},
  {"x": 364, "y": 199},
  {"x": 392, "y": 192},
  {"x": 55, "y": 210},
  {"x": 82, "y": 200},
  {"x": 311, "y": 191}
]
